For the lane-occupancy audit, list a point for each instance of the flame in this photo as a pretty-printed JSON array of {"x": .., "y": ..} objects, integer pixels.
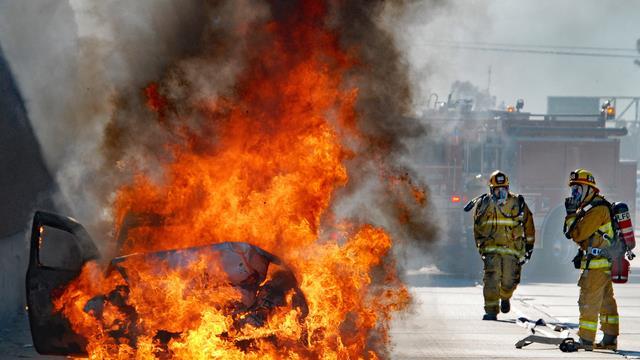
[{"x": 263, "y": 168}]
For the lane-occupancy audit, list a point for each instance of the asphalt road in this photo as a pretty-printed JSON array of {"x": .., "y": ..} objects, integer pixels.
[
  {"x": 445, "y": 322},
  {"x": 15, "y": 340}
]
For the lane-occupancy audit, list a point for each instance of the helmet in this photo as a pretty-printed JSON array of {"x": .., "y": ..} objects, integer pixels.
[
  {"x": 498, "y": 179},
  {"x": 584, "y": 177}
]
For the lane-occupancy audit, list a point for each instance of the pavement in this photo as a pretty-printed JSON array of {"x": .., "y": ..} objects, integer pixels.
[
  {"x": 15, "y": 340},
  {"x": 445, "y": 322}
]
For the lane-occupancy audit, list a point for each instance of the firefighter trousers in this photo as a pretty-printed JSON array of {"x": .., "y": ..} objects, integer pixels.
[
  {"x": 596, "y": 298},
  {"x": 501, "y": 277}
]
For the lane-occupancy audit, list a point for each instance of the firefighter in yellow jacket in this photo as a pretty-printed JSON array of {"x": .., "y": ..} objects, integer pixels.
[
  {"x": 505, "y": 235},
  {"x": 588, "y": 223}
]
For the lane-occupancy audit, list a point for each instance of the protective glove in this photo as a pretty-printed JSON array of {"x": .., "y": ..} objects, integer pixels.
[
  {"x": 570, "y": 205},
  {"x": 528, "y": 251},
  {"x": 577, "y": 260}
]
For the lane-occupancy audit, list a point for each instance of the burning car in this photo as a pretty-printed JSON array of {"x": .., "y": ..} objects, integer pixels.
[{"x": 246, "y": 284}]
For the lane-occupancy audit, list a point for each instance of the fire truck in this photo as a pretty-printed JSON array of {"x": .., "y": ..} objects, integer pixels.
[{"x": 537, "y": 151}]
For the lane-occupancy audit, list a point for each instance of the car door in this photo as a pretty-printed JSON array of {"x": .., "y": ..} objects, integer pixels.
[{"x": 59, "y": 247}]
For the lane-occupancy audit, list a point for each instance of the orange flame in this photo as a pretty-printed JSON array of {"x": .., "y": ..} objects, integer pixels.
[{"x": 263, "y": 168}]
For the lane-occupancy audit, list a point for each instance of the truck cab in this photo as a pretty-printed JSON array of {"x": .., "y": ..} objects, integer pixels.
[{"x": 537, "y": 151}]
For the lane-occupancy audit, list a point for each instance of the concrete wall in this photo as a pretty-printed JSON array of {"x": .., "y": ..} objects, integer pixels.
[
  {"x": 25, "y": 185},
  {"x": 14, "y": 257},
  {"x": 25, "y": 182}
]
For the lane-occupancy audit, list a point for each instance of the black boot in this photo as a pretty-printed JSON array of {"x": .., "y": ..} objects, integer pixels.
[
  {"x": 585, "y": 344},
  {"x": 505, "y": 306},
  {"x": 609, "y": 342},
  {"x": 490, "y": 316}
]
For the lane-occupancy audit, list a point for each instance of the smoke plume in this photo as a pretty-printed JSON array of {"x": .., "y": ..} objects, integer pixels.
[
  {"x": 95, "y": 129},
  {"x": 194, "y": 56},
  {"x": 167, "y": 98}
]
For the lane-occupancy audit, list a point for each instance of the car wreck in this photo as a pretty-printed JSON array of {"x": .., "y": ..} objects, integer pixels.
[{"x": 60, "y": 247}]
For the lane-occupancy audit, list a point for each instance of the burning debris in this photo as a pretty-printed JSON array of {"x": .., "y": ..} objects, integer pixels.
[
  {"x": 248, "y": 284},
  {"x": 265, "y": 153}
]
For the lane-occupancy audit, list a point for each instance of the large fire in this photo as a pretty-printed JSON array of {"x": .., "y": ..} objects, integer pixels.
[{"x": 263, "y": 168}]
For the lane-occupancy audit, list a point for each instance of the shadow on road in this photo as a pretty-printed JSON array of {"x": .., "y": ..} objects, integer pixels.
[
  {"x": 627, "y": 353},
  {"x": 462, "y": 280},
  {"x": 439, "y": 280}
]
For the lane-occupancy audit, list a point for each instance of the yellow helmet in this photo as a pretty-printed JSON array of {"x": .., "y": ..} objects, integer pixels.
[
  {"x": 498, "y": 179},
  {"x": 584, "y": 177}
]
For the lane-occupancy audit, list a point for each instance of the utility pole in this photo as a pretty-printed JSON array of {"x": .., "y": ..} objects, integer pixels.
[{"x": 489, "y": 79}]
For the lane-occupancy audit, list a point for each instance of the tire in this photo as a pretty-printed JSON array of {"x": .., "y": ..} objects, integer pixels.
[
  {"x": 552, "y": 255},
  {"x": 457, "y": 255}
]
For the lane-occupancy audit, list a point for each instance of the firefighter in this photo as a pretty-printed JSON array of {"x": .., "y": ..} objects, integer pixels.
[
  {"x": 504, "y": 234},
  {"x": 588, "y": 223}
]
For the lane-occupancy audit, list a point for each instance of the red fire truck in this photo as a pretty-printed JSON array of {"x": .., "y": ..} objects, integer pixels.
[{"x": 537, "y": 152}]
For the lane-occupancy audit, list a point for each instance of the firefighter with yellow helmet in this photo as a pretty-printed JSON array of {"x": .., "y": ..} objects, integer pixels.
[
  {"x": 588, "y": 223},
  {"x": 505, "y": 235}
]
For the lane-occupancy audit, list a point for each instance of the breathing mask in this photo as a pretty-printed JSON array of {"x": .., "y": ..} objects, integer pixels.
[
  {"x": 500, "y": 194},
  {"x": 577, "y": 193}
]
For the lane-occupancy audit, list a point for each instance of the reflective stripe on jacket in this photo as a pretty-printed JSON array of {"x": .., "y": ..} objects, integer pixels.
[
  {"x": 596, "y": 263},
  {"x": 500, "y": 222},
  {"x": 503, "y": 229},
  {"x": 500, "y": 250},
  {"x": 591, "y": 226}
]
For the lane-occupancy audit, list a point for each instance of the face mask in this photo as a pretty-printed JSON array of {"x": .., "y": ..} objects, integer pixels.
[
  {"x": 576, "y": 193},
  {"x": 500, "y": 194}
]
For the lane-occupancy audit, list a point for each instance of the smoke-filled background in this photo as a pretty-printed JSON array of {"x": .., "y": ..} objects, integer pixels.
[
  {"x": 133, "y": 79},
  {"x": 76, "y": 62},
  {"x": 82, "y": 65},
  {"x": 98, "y": 56},
  {"x": 439, "y": 50}
]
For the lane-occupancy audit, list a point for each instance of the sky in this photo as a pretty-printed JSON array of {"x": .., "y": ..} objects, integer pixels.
[{"x": 593, "y": 23}]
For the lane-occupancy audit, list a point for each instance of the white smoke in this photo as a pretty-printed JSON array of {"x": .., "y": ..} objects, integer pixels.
[
  {"x": 77, "y": 61},
  {"x": 93, "y": 58}
]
